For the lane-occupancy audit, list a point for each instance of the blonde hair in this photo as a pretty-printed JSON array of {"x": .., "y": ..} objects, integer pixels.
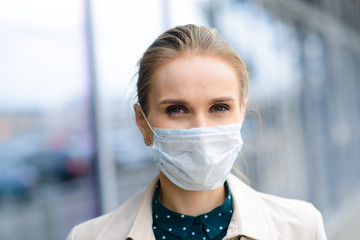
[{"x": 181, "y": 40}]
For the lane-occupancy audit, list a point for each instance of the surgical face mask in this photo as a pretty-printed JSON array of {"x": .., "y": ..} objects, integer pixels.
[{"x": 197, "y": 159}]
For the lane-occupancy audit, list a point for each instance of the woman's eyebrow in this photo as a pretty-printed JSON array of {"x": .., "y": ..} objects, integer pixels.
[
  {"x": 183, "y": 102},
  {"x": 223, "y": 99},
  {"x": 173, "y": 101}
]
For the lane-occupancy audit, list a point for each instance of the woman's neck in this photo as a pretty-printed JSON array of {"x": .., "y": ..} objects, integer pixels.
[{"x": 192, "y": 203}]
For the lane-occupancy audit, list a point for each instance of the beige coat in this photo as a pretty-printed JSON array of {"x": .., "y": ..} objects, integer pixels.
[{"x": 256, "y": 216}]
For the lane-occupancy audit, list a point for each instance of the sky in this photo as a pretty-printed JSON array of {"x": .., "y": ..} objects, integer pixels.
[{"x": 42, "y": 53}]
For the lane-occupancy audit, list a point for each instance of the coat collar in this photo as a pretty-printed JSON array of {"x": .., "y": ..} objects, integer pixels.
[
  {"x": 142, "y": 227},
  {"x": 250, "y": 217}
]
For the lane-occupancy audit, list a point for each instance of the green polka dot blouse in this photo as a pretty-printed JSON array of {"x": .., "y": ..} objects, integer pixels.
[{"x": 172, "y": 225}]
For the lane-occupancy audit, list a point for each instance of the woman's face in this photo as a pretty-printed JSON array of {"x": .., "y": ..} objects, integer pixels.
[{"x": 193, "y": 91}]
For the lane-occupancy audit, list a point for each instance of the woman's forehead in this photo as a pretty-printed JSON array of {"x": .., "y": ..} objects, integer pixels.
[{"x": 195, "y": 74}]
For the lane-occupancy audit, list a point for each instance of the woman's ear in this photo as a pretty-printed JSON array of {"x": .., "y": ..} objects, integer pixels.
[{"x": 142, "y": 125}]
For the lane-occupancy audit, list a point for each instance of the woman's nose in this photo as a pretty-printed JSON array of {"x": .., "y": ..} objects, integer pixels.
[{"x": 199, "y": 120}]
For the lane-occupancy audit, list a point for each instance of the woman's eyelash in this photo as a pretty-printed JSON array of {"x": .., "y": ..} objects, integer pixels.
[
  {"x": 220, "y": 108},
  {"x": 175, "y": 109},
  {"x": 178, "y": 109}
]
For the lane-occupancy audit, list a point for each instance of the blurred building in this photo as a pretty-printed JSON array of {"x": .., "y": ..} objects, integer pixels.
[{"x": 311, "y": 129}]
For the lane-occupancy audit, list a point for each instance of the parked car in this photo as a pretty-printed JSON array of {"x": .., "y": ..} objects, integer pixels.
[
  {"x": 58, "y": 165},
  {"x": 17, "y": 176}
]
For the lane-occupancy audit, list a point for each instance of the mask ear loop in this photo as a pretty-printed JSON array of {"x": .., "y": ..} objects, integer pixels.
[
  {"x": 147, "y": 122},
  {"x": 242, "y": 115}
]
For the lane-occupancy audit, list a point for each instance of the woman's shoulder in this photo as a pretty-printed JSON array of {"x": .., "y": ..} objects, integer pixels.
[
  {"x": 287, "y": 218},
  {"x": 292, "y": 216},
  {"x": 117, "y": 222},
  {"x": 284, "y": 208}
]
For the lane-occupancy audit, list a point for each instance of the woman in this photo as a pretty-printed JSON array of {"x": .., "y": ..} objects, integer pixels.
[{"x": 192, "y": 97}]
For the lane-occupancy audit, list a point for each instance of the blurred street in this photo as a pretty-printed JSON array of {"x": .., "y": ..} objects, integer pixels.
[
  {"x": 38, "y": 217},
  {"x": 70, "y": 204}
]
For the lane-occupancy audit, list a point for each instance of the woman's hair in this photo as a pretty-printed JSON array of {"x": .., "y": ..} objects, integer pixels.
[{"x": 181, "y": 40}]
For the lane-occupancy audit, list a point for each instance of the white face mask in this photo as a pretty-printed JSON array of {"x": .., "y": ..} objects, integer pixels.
[{"x": 197, "y": 159}]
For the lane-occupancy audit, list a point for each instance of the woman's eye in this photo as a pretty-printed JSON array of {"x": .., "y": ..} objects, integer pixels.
[
  {"x": 220, "y": 108},
  {"x": 175, "y": 110}
]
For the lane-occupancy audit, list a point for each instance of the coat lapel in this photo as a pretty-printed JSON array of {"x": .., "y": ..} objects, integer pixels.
[
  {"x": 250, "y": 217},
  {"x": 142, "y": 227}
]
